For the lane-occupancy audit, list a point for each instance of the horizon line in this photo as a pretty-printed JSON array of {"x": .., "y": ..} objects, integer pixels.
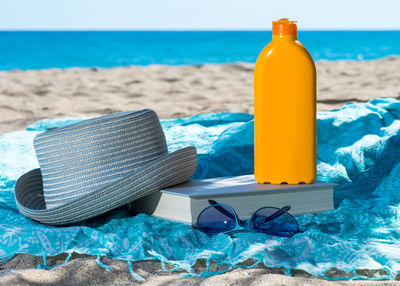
[{"x": 196, "y": 30}]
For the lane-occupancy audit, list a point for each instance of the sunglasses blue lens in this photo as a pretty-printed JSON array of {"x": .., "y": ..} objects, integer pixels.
[
  {"x": 216, "y": 219},
  {"x": 274, "y": 221}
]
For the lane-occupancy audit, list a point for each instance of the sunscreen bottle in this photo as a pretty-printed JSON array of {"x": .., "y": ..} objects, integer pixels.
[{"x": 285, "y": 110}]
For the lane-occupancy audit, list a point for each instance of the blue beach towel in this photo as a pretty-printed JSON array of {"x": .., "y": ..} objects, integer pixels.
[{"x": 358, "y": 148}]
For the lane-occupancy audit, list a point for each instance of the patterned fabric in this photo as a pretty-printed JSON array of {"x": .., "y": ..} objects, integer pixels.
[
  {"x": 94, "y": 166},
  {"x": 358, "y": 148}
]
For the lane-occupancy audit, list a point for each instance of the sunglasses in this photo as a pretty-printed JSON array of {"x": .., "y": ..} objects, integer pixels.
[{"x": 222, "y": 218}]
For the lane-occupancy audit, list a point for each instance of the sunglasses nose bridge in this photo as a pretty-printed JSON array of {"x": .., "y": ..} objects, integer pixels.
[{"x": 243, "y": 223}]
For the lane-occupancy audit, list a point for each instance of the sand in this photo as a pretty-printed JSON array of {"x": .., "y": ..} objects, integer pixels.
[
  {"x": 83, "y": 270},
  {"x": 28, "y": 96}
]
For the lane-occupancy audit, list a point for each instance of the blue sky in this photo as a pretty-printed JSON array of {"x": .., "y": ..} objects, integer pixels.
[{"x": 196, "y": 15}]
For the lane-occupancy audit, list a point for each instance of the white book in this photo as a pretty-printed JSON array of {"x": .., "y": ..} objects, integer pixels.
[{"x": 184, "y": 202}]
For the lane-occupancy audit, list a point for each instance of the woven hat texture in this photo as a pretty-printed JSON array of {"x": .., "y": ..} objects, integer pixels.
[{"x": 91, "y": 167}]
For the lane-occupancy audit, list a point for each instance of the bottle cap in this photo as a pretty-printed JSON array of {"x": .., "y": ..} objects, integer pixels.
[{"x": 284, "y": 27}]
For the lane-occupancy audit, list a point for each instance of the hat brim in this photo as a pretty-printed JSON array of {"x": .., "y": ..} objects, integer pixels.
[{"x": 167, "y": 170}]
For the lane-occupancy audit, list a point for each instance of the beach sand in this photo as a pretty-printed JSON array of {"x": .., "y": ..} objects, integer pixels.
[{"x": 28, "y": 96}]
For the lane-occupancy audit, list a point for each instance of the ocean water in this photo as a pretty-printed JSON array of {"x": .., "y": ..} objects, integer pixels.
[{"x": 40, "y": 50}]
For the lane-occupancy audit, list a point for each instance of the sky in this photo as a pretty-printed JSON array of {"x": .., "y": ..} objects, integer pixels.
[{"x": 197, "y": 15}]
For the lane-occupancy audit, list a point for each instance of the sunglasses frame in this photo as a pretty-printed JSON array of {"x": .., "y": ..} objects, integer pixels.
[{"x": 246, "y": 225}]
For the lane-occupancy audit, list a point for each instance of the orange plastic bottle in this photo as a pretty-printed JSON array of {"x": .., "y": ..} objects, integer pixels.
[{"x": 285, "y": 110}]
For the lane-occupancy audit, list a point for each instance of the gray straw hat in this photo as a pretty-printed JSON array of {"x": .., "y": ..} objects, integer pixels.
[{"x": 94, "y": 166}]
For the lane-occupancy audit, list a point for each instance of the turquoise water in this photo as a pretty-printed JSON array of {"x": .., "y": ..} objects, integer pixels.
[{"x": 39, "y": 50}]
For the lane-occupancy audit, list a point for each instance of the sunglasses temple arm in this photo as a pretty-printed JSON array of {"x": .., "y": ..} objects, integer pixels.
[
  {"x": 219, "y": 208},
  {"x": 275, "y": 215}
]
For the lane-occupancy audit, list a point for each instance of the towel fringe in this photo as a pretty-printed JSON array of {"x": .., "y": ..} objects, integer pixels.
[
  {"x": 133, "y": 273},
  {"x": 101, "y": 264}
]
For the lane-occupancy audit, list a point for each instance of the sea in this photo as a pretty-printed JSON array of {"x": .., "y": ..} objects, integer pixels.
[{"x": 105, "y": 49}]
